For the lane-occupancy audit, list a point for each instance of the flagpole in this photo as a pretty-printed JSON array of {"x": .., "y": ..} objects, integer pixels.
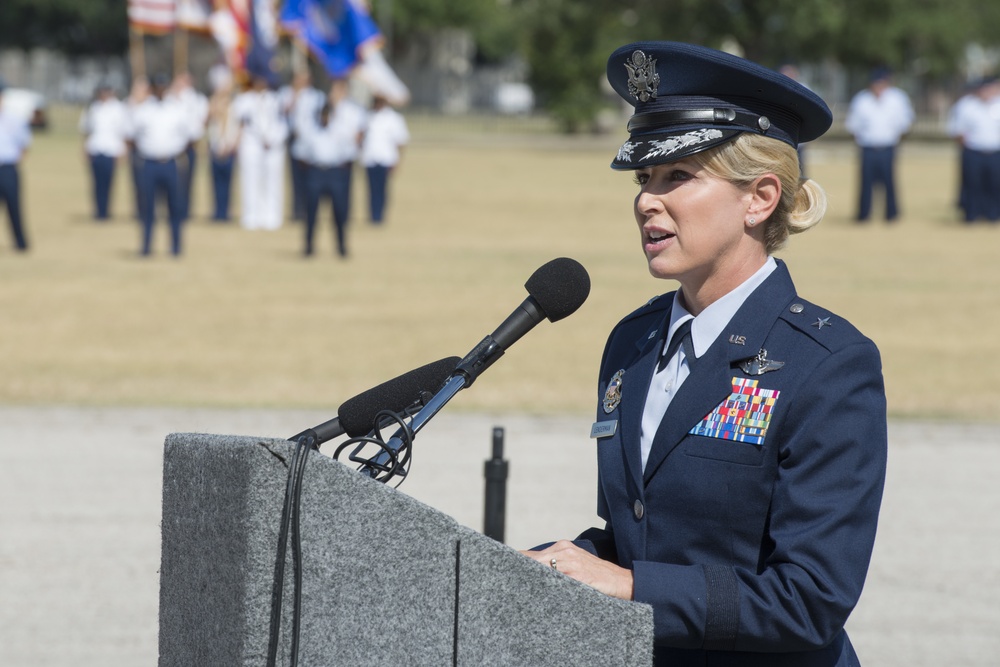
[
  {"x": 137, "y": 52},
  {"x": 180, "y": 50},
  {"x": 300, "y": 56}
]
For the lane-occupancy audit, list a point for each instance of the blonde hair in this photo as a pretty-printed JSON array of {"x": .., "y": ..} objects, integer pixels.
[{"x": 750, "y": 156}]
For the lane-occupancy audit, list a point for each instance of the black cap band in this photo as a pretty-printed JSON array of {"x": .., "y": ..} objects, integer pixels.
[{"x": 716, "y": 116}]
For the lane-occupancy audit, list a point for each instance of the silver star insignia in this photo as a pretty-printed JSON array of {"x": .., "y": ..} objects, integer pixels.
[{"x": 822, "y": 322}]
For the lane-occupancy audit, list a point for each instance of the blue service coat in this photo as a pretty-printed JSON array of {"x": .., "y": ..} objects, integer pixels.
[{"x": 750, "y": 552}]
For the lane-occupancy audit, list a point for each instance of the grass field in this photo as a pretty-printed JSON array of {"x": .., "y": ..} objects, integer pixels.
[{"x": 242, "y": 320}]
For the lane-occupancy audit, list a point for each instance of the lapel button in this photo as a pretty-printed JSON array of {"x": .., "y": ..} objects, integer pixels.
[{"x": 638, "y": 509}]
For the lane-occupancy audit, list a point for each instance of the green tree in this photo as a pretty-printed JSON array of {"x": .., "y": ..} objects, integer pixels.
[
  {"x": 567, "y": 41},
  {"x": 70, "y": 26}
]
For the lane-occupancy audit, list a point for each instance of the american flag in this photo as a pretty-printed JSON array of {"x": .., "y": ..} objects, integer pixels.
[{"x": 155, "y": 16}]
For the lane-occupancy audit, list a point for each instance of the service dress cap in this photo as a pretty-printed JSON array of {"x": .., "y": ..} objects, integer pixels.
[{"x": 690, "y": 98}]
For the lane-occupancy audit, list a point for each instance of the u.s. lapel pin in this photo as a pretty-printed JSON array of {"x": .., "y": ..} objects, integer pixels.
[
  {"x": 760, "y": 364},
  {"x": 613, "y": 394}
]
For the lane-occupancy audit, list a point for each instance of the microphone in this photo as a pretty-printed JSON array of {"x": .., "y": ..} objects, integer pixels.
[
  {"x": 357, "y": 415},
  {"x": 555, "y": 290}
]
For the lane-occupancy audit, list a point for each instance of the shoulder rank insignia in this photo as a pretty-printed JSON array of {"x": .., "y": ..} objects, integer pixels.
[
  {"x": 643, "y": 81},
  {"x": 760, "y": 364},
  {"x": 613, "y": 396}
]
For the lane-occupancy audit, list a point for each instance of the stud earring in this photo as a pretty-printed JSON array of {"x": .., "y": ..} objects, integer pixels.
[{"x": 752, "y": 221}]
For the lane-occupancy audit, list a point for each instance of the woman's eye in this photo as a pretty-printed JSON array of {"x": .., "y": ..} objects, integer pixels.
[
  {"x": 679, "y": 175},
  {"x": 640, "y": 178}
]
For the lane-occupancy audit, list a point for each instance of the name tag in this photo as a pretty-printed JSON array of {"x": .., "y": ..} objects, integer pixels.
[{"x": 604, "y": 429}]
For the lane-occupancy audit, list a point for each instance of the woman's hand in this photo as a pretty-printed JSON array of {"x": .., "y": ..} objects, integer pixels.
[{"x": 583, "y": 566}]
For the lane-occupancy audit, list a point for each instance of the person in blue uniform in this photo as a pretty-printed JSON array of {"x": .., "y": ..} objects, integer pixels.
[
  {"x": 878, "y": 118},
  {"x": 161, "y": 134},
  {"x": 105, "y": 126},
  {"x": 974, "y": 122},
  {"x": 15, "y": 137},
  {"x": 334, "y": 140},
  {"x": 741, "y": 429}
]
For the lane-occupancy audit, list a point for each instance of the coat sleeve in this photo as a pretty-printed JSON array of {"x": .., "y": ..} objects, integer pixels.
[{"x": 819, "y": 534}]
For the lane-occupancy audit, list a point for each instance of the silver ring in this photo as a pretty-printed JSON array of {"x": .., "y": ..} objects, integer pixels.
[{"x": 553, "y": 564}]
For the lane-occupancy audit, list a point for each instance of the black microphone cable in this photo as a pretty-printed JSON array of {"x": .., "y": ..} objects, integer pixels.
[{"x": 290, "y": 523}]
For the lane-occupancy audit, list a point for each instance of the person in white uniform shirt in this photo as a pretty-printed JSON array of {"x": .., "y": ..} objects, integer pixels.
[
  {"x": 974, "y": 121},
  {"x": 138, "y": 94},
  {"x": 15, "y": 137},
  {"x": 381, "y": 151},
  {"x": 196, "y": 107},
  {"x": 302, "y": 103},
  {"x": 878, "y": 117},
  {"x": 261, "y": 156},
  {"x": 223, "y": 142},
  {"x": 161, "y": 133},
  {"x": 334, "y": 141},
  {"x": 105, "y": 126}
]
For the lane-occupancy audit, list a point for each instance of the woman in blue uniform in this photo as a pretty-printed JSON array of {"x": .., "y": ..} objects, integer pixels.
[{"x": 741, "y": 429}]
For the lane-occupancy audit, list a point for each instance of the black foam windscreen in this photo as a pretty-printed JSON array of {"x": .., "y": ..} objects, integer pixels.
[
  {"x": 560, "y": 287},
  {"x": 357, "y": 415}
]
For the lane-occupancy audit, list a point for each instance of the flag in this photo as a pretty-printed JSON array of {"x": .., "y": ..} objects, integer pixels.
[
  {"x": 334, "y": 30},
  {"x": 153, "y": 16},
  {"x": 263, "y": 41},
  {"x": 342, "y": 35},
  {"x": 230, "y": 25},
  {"x": 194, "y": 14}
]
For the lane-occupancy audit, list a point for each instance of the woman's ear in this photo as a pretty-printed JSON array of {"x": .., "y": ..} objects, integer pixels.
[{"x": 765, "y": 193}]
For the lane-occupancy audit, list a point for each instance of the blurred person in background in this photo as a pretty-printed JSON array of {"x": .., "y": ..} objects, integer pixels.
[
  {"x": 334, "y": 140},
  {"x": 302, "y": 103},
  {"x": 324, "y": 178},
  {"x": 105, "y": 126},
  {"x": 381, "y": 150},
  {"x": 741, "y": 430},
  {"x": 196, "y": 109},
  {"x": 223, "y": 143},
  {"x": 261, "y": 155},
  {"x": 15, "y": 137},
  {"x": 878, "y": 118},
  {"x": 974, "y": 122},
  {"x": 161, "y": 133},
  {"x": 138, "y": 94}
]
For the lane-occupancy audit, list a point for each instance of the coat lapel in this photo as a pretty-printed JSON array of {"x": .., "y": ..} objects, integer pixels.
[
  {"x": 711, "y": 382},
  {"x": 635, "y": 385}
]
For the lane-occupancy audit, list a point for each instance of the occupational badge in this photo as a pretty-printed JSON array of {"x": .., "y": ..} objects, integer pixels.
[
  {"x": 760, "y": 364},
  {"x": 613, "y": 395},
  {"x": 643, "y": 81}
]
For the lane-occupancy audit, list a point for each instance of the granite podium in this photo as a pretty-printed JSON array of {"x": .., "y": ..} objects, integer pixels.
[{"x": 386, "y": 580}]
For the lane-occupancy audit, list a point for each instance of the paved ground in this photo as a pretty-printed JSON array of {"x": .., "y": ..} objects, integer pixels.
[{"x": 80, "y": 508}]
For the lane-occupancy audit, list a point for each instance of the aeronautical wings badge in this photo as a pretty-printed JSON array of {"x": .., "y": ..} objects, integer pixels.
[
  {"x": 643, "y": 81},
  {"x": 760, "y": 364},
  {"x": 613, "y": 395}
]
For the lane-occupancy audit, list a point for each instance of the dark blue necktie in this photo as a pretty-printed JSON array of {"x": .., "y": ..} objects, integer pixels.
[{"x": 681, "y": 337}]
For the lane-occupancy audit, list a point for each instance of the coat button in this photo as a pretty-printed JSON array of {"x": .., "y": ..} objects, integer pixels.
[
  {"x": 638, "y": 509},
  {"x": 797, "y": 308}
]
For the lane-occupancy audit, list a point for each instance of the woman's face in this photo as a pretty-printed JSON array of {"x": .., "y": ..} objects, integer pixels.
[{"x": 692, "y": 224}]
